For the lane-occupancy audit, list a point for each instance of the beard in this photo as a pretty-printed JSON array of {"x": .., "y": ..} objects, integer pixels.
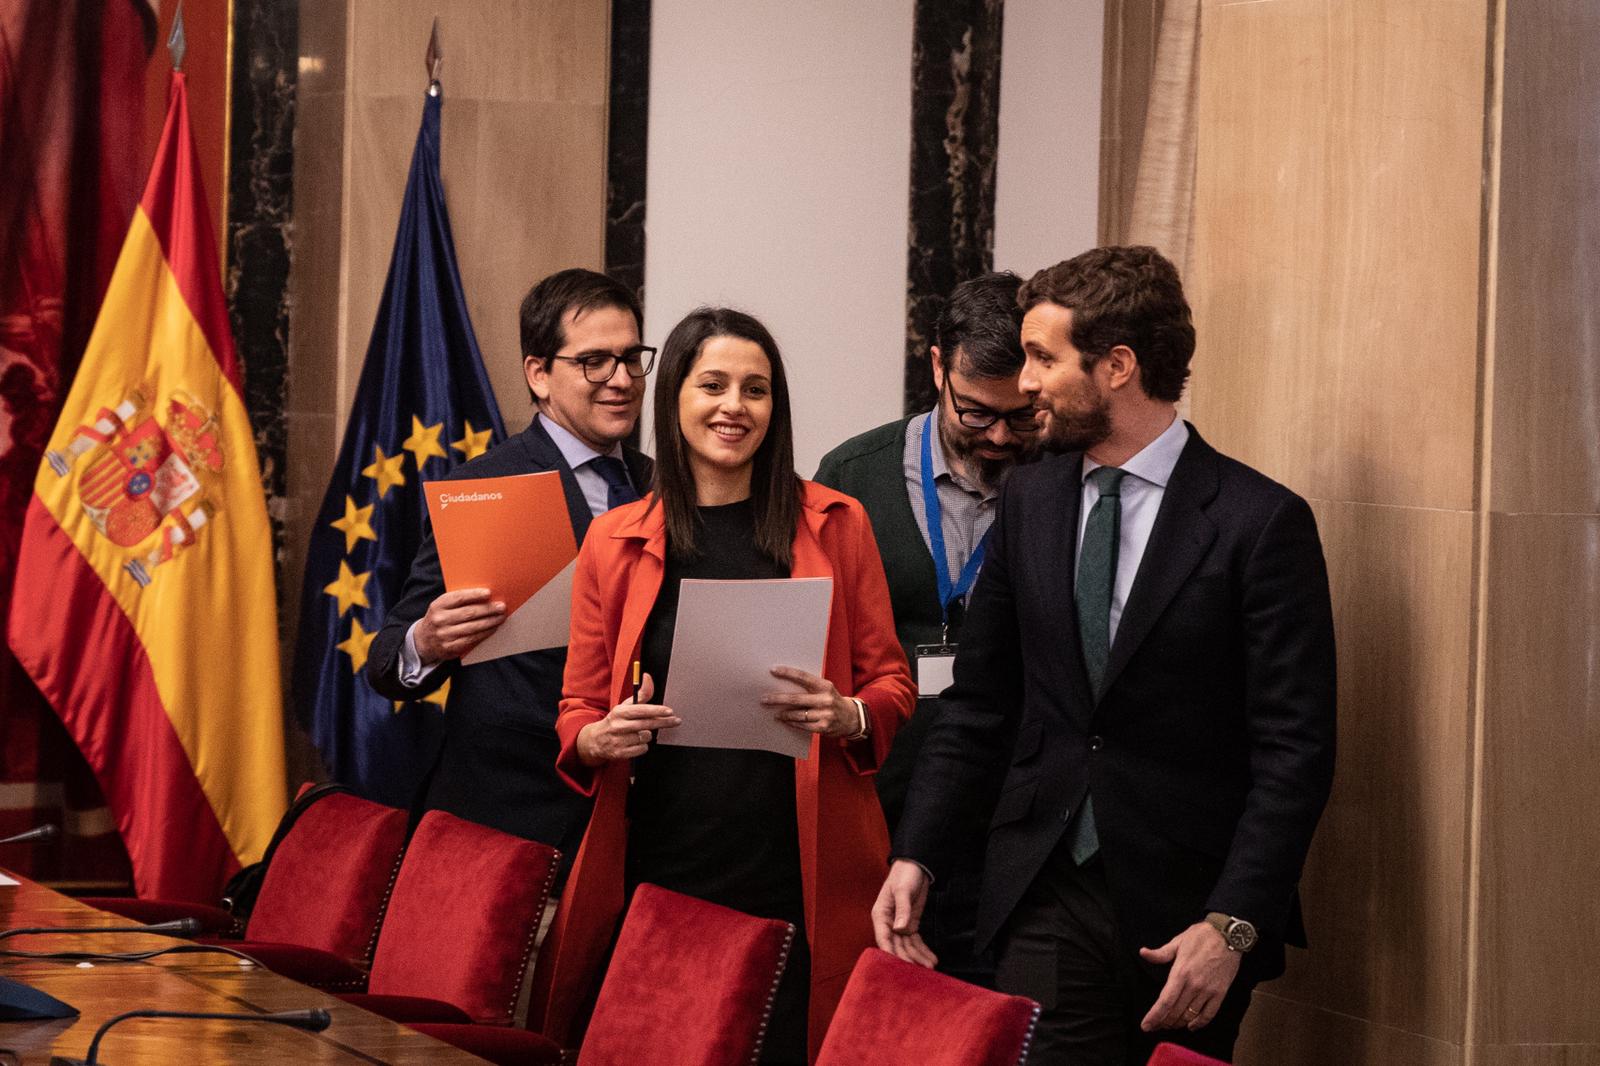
[
  {"x": 964, "y": 444},
  {"x": 1080, "y": 429}
]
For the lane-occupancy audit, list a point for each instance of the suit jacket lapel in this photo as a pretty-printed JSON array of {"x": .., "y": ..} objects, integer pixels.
[
  {"x": 542, "y": 451},
  {"x": 1179, "y": 540}
]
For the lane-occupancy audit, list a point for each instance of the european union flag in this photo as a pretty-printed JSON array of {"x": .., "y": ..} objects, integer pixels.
[{"x": 423, "y": 406}]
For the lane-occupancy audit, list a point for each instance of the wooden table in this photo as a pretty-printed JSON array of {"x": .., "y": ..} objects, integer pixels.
[{"x": 197, "y": 982}]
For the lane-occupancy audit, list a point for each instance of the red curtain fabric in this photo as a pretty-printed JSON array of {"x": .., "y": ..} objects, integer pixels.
[{"x": 71, "y": 114}]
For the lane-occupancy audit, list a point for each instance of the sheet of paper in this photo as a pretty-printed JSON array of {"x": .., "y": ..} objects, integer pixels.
[
  {"x": 513, "y": 536},
  {"x": 4, "y": 880},
  {"x": 729, "y": 636}
]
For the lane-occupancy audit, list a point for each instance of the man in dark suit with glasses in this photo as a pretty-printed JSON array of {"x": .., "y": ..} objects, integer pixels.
[
  {"x": 585, "y": 368},
  {"x": 930, "y": 485}
]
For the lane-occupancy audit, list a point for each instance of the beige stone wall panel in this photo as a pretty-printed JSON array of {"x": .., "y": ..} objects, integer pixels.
[{"x": 1337, "y": 243}]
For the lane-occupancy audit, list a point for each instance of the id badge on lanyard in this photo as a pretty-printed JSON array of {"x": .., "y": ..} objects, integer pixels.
[
  {"x": 935, "y": 669},
  {"x": 935, "y": 663}
]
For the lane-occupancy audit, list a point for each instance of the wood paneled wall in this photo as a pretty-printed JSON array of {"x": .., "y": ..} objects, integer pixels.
[
  {"x": 523, "y": 143},
  {"x": 1394, "y": 278}
]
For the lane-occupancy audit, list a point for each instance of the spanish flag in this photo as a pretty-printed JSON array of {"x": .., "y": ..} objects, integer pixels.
[{"x": 144, "y": 607}]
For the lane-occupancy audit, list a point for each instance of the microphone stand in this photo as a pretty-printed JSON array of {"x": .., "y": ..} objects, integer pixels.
[
  {"x": 38, "y": 832},
  {"x": 312, "y": 1021}
]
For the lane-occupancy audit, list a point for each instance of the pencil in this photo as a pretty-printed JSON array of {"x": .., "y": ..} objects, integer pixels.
[{"x": 638, "y": 676}]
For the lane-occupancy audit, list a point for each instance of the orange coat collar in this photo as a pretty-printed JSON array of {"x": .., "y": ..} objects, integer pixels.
[{"x": 650, "y": 526}]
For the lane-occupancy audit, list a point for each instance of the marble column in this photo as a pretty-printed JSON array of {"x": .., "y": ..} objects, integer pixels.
[
  {"x": 955, "y": 124},
  {"x": 258, "y": 235},
  {"x": 627, "y": 141}
]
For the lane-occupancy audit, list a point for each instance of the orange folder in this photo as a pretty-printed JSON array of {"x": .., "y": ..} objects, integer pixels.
[{"x": 513, "y": 536}]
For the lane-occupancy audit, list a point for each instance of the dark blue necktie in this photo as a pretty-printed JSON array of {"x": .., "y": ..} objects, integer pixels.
[{"x": 619, "y": 490}]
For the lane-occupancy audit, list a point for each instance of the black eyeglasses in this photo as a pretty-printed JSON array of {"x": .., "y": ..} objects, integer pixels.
[
  {"x": 598, "y": 367},
  {"x": 1018, "y": 420}
]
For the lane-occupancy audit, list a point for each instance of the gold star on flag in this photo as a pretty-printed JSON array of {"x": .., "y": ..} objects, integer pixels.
[
  {"x": 349, "y": 588},
  {"x": 424, "y": 441},
  {"x": 356, "y": 645},
  {"x": 439, "y": 695},
  {"x": 385, "y": 470},
  {"x": 471, "y": 445},
  {"x": 356, "y": 525}
]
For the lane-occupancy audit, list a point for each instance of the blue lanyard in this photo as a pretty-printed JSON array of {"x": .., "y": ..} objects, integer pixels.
[{"x": 948, "y": 592}]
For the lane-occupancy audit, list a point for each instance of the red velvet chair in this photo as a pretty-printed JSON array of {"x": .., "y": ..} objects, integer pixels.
[
  {"x": 458, "y": 935},
  {"x": 690, "y": 983},
  {"x": 1173, "y": 1055},
  {"x": 895, "y": 1013},
  {"x": 328, "y": 878},
  {"x": 501, "y": 1046}
]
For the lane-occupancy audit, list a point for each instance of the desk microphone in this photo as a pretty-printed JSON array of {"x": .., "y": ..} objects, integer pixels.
[
  {"x": 181, "y": 927},
  {"x": 312, "y": 1021},
  {"x": 38, "y": 832}
]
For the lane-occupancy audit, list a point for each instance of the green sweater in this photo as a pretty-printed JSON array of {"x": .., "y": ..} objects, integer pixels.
[{"x": 871, "y": 467}]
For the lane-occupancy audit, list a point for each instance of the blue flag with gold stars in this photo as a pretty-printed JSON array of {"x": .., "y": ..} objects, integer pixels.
[{"x": 423, "y": 406}]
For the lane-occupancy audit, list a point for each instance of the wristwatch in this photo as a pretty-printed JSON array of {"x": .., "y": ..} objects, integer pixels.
[{"x": 1237, "y": 933}]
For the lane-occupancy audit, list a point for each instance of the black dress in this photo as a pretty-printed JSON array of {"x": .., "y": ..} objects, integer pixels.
[{"x": 716, "y": 823}]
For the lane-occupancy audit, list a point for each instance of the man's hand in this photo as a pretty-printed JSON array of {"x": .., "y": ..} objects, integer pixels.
[
  {"x": 899, "y": 910},
  {"x": 456, "y": 623},
  {"x": 624, "y": 733},
  {"x": 1202, "y": 970}
]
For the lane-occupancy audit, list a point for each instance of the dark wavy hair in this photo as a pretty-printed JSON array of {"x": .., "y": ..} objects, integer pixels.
[
  {"x": 774, "y": 486},
  {"x": 982, "y": 323},
  {"x": 1123, "y": 295}
]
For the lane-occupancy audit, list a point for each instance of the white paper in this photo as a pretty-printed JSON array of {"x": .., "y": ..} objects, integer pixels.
[
  {"x": 4, "y": 880},
  {"x": 729, "y": 636},
  {"x": 543, "y": 621}
]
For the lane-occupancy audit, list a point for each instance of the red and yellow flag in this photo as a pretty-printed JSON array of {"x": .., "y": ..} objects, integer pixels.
[{"x": 144, "y": 606}]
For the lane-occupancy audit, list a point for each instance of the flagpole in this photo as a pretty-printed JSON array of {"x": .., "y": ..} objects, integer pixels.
[
  {"x": 434, "y": 58},
  {"x": 177, "y": 42}
]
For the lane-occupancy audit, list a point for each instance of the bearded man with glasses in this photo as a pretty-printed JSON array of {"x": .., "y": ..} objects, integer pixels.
[
  {"x": 930, "y": 484},
  {"x": 585, "y": 368}
]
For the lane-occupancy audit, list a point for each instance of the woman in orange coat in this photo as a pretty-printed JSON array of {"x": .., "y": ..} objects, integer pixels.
[{"x": 801, "y": 840}]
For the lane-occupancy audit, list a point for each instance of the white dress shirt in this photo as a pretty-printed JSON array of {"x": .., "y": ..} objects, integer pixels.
[
  {"x": 596, "y": 493},
  {"x": 1148, "y": 473}
]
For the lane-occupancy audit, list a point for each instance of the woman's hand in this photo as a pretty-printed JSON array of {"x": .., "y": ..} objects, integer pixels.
[
  {"x": 819, "y": 709},
  {"x": 625, "y": 732}
]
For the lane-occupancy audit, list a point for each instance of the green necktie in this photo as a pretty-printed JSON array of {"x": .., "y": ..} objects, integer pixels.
[{"x": 1097, "y": 576}]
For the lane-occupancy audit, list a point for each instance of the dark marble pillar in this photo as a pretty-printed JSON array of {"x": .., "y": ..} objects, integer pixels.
[
  {"x": 955, "y": 122},
  {"x": 627, "y": 141},
  {"x": 260, "y": 188}
]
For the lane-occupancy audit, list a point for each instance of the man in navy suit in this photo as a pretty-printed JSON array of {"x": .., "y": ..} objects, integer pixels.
[
  {"x": 585, "y": 368},
  {"x": 1147, "y": 671}
]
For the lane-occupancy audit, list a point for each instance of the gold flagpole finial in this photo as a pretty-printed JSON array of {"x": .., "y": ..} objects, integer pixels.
[
  {"x": 177, "y": 44},
  {"x": 435, "y": 59}
]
